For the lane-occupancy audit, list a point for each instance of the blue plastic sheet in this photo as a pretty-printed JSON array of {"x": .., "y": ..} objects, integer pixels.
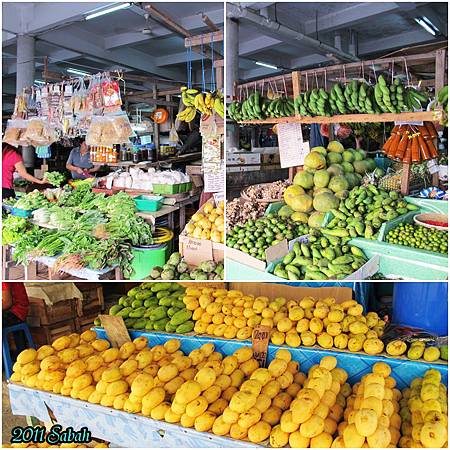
[
  {"x": 356, "y": 364},
  {"x": 422, "y": 305}
]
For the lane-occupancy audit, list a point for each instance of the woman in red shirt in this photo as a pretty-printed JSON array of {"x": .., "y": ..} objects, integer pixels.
[
  {"x": 11, "y": 162},
  {"x": 15, "y": 306}
]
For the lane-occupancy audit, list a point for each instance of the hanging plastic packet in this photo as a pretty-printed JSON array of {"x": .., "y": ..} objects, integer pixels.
[
  {"x": 15, "y": 132},
  {"x": 111, "y": 93},
  {"x": 173, "y": 135}
]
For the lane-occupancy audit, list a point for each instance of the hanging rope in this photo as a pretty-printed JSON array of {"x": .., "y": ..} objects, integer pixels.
[
  {"x": 374, "y": 71},
  {"x": 406, "y": 70},
  {"x": 203, "y": 65},
  {"x": 213, "y": 72},
  {"x": 189, "y": 65}
]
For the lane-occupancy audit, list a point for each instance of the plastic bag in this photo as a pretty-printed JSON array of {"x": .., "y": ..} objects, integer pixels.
[
  {"x": 40, "y": 133},
  {"x": 111, "y": 93},
  {"x": 95, "y": 131},
  {"x": 122, "y": 128},
  {"x": 15, "y": 131}
]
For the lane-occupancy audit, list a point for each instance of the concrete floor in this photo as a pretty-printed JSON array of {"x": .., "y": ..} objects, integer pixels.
[{"x": 9, "y": 421}]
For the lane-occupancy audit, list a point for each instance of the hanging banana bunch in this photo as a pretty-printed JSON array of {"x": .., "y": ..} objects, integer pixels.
[{"x": 205, "y": 104}]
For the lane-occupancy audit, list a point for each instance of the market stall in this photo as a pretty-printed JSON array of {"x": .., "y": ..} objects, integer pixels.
[
  {"x": 142, "y": 163},
  {"x": 361, "y": 144},
  {"x": 188, "y": 387}
]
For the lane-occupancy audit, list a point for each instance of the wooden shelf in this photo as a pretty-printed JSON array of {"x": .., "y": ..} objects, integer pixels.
[{"x": 431, "y": 116}]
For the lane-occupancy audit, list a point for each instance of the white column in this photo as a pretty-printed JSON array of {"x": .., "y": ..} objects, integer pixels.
[
  {"x": 24, "y": 79},
  {"x": 232, "y": 74}
]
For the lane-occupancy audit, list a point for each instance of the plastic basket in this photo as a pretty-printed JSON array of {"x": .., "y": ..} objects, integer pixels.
[
  {"x": 21, "y": 212},
  {"x": 172, "y": 188},
  {"x": 148, "y": 202}
]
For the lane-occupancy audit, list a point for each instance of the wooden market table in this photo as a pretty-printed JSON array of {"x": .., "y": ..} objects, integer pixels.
[{"x": 31, "y": 270}]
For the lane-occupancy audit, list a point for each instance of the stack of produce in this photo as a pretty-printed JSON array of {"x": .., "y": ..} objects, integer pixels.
[
  {"x": 208, "y": 223},
  {"x": 365, "y": 210},
  {"x": 13, "y": 228},
  {"x": 54, "y": 178},
  {"x": 239, "y": 211},
  {"x": 417, "y": 350},
  {"x": 316, "y": 410},
  {"x": 424, "y": 409},
  {"x": 325, "y": 256},
  {"x": 372, "y": 418},
  {"x": 93, "y": 231},
  {"x": 412, "y": 143},
  {"x": 155, "y": 306},
  {"x": 353, "y": 97},
  {"x": 256, "y": 236},
  {"x": 327, "y": 177},
  {"x": 231, "y": 314},
  {"x": 32, "y": 200},
  {"x": 266, "y": 191},
  {"x": 177, "y": 269},
  {"x": 205, "y": 104},
  {"x": 417, "y": 236}
]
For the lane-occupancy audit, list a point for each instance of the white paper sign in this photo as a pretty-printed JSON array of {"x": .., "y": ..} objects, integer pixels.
[
  {"x": 290, "y": 140},
  {"x": 214, "y": 182}
]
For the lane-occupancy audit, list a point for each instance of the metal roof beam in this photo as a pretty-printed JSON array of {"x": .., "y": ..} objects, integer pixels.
[{"x": 348, "y": 16}]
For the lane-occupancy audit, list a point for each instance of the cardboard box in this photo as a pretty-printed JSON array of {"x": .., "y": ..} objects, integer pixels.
[
  {"x": 271, "y": 290},
  {"x": 195, "y": 251},
  {"x": 231, "y": 169},
  {"x": 273, "y": 253},
  {"x": 276, "y": 253}
]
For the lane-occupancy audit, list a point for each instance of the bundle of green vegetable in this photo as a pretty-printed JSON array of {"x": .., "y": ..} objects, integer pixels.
[
  {"x": 80, "y": 197},
  {"x": 155, "y": 306},
  {"x": 32, "y": 200},
  {"x": 54, "y": 178},
  {"x": 177, "y": 269},
  {"x": 12, "y": 229}
]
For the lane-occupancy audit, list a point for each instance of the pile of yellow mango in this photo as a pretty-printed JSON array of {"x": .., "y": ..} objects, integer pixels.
[
  {"x": 208, "y": 223},
  {"x": 232, "y": 396},
  {"x": 306, "y": 322}
]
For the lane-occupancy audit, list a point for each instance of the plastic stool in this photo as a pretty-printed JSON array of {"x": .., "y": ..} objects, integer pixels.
[{"x": 7, "y": 363}]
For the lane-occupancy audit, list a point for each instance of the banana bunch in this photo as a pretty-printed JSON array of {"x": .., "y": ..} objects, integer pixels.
[
  {"x": 162, "y": 235},
  {"x": 188, "y": 114},
  {"x": 442, "y": 99},
  {"x": 218, "y": 105},
  {"x": 257, "y": 107},
  {"x": 188, "y": 96}
]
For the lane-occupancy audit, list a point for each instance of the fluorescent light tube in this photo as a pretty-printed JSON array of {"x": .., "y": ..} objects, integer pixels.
[
  {"x": 78, "y": 72},
  {"x": 425, "y": 25},
  {"x": 108, "y": 10},
  {"x": 259, "y": 63},
  {"x": 39, "y": 82}
]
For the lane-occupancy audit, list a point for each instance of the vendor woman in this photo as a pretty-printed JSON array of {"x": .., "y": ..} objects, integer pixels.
[
  {"x": 12, "y": 161},
  {"x": 79, "y": 162}
]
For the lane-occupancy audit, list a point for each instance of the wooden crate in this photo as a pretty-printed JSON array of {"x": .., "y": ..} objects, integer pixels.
[
  {"x": 93, "y": 300},
  {"x": 86, "y": 322},
  {"x": 48, "y": 333},
  {"x": 40, "y": 313}
]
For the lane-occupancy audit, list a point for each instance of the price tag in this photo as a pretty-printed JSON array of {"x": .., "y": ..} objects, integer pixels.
[
  {"x": 147, "y": 139},
  {"x": 218, "y": 197},
  {"x": 68, "y": 90},
  {"x": 432, "y": 166},
  {"x": 291, "y": 145},
  {"x": 260, "y": 343},
  {"x": 115, "y": 330}
]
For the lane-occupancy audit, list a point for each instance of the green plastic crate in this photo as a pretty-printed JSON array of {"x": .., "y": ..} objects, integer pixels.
[
  {"x": 429, "y": 205},
  {"x": 148, "y": 202},
  {"x": 390, "y": 224},
  {"x": 144, "y": 259},
  {"x": 172, "y": 188},
  {"x": 398, "y": 261}
]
